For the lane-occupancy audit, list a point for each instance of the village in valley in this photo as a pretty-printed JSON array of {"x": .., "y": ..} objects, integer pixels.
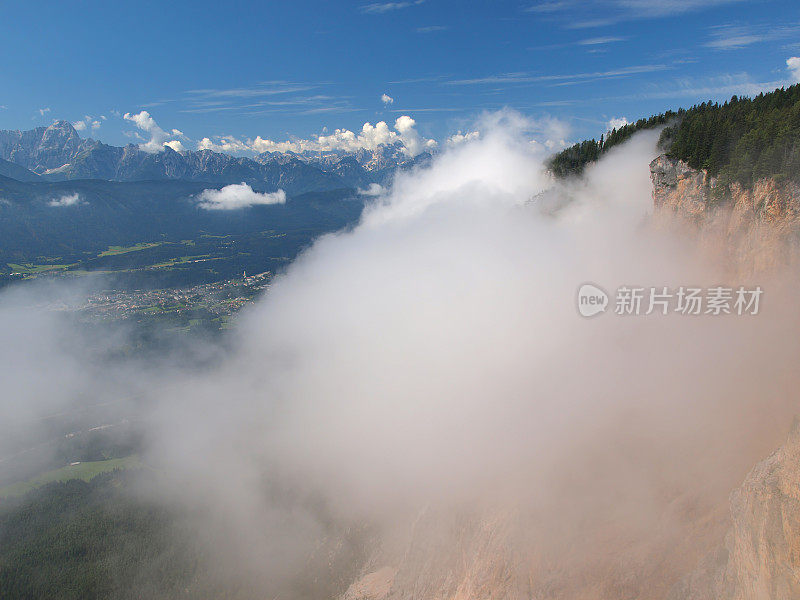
[{"x": 204, "y": 304}]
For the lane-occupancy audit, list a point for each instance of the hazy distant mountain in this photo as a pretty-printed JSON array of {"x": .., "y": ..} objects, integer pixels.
[
  {"x": 58, "y": 153},
  {"x": 44, "y": 148}
]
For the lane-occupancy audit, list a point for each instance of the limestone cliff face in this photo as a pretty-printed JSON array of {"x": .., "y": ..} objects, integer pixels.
[
  {"x": 508, "y": 555},
  {"x": 760, "y": 559},
  {"x": 679, "y": 188},
  {"x": 450, "y": 556},
  {"x": 501, "y": 555},
  {"x": 752, "y": 230}
]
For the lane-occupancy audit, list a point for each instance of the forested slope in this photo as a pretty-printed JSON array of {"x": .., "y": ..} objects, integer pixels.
[{"x": 741, "y": 140}]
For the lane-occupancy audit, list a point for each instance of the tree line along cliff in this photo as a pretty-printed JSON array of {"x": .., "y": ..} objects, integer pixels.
[{"x": 740, "y": 141}]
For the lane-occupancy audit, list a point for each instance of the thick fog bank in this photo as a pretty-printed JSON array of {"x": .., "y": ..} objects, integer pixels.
[{"x": 434, "y": 356}]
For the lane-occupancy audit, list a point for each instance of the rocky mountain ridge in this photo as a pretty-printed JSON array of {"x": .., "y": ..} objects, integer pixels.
[{"x": 58, "y": 153}]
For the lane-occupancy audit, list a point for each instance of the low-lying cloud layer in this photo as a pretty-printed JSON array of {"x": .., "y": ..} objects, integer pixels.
[
  {"x": 433, "y": 356},
  {"x": 235, "y": 196},
  {"x": 66, "y": 200}
]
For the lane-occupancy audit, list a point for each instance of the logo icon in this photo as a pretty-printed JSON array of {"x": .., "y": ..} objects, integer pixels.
[{"x": 592, "y": 300}]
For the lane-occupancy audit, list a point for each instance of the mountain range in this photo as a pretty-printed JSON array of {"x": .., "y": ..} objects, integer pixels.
[{"x": 58, "y": 153}]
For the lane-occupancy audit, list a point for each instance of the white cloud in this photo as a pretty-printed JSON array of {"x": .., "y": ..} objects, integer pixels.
[
  {"x": 66, "y": 200},
  {"x": 175, "y": 145},
  {"x": 734, "y": 37},
  {"x": 384, "y": 7},
  {"x": 647, "y": 8},
  {"x": 228, "y": 144},
  {"x": 158, "y": 137},
  {"x": 387, "y": 99},
  {"x": 369, "y": 138},
  {"x": 599, "y": 41},
  {"x": 143, "y": 120},
  {"x": 793, "y": 64},
  {"x": 88, "y": 122},
  {"x": 632, "y": 10},
  {"x": 719, "y": 87},
  {"x": 412, "y": 142},
  {"x": 263, "y": 89},
  {"x": 554, "y": 132},
  {"x": 521, "y": 77},
  {"x": 543, "y": 135},
  {"x": 550, "y": 7},
  {"x": 461, "y": 138},
  {"x": 236, "y": 196},
  {"x": 729, "y": 37},
  {"x": 616, "y": 123},
  {"x": 374, "y": 189}
]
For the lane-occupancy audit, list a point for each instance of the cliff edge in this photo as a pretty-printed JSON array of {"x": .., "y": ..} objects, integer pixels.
[{"x": 753, "y": 229}]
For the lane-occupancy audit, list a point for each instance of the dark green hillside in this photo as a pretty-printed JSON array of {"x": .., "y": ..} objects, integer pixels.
[
  {"x": 741, "y": 141},
  {"x": 78, "y": 540}
]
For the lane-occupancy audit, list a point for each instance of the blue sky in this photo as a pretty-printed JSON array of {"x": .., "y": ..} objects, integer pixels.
[{"x": 286, "y": 70}]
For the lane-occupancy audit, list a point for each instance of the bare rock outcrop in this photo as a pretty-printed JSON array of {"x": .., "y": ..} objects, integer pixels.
[
  {"x": 513, "y": 555},
  {"x": 375, "y": 585},
  {"x": 760, "y": 559},
  {"x": 679, "y": 188},
  {"x": 448, "y": 556},
  {"x": 752, "y": 230}
]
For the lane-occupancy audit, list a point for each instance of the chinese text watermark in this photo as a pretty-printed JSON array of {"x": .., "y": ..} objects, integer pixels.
[{"x": 633, "y": 301}]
